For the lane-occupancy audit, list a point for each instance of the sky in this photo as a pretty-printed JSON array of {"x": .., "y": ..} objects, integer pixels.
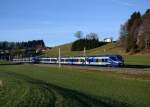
[{"x": 56, "y": 21}]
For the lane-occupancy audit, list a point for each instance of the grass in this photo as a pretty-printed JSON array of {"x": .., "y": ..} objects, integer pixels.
[
  {"x": 37, "y": 86},
  {"x": 137, "y": 60},
  {"x": 4, "y": 62}
]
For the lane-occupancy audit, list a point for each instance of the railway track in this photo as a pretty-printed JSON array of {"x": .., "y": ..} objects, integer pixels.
[{"x": 124, "y": 70}]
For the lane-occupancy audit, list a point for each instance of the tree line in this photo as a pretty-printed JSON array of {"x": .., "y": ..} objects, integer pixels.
[
  {"x": 90, "y": 41},
  {"x": 22, "y": 45},
  {"x": 9, "y": 50},
  {"x": 135, "y": 32}
]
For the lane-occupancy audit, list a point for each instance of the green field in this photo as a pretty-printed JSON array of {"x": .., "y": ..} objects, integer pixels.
[
  {"x": 137, "y": 60},
  {"x": 4, "y": 62},
  {"x": 42, "y": 86}
]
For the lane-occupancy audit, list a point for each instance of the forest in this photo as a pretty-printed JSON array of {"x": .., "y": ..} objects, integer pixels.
[{"x": 135, "y": 32}]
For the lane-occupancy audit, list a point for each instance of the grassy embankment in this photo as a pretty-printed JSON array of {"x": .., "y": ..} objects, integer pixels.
[
  {"x": 37, "y": 86},
  {"x": 110, "y": 48}
]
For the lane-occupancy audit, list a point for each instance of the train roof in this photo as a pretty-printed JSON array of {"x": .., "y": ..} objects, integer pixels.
[{"x": 107, "y": 55}]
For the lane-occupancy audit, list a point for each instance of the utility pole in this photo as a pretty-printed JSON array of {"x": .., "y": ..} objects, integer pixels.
[
  {"x": 9, "y": 58},
  {"x": 84, "y": 54},
  {"x": 59, "y": 59}
]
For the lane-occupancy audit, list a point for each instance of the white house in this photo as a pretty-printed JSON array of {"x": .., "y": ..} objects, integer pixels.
[{"x": 108, "y": 40}]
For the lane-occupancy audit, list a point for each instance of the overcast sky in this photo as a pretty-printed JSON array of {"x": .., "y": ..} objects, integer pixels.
[{"x": 55, "y": 21}]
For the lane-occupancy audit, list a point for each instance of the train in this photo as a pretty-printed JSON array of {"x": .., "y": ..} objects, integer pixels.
[{"x": 98, "y": 60}]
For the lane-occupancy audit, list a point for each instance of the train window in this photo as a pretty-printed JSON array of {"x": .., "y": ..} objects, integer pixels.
[
  {"x": 79, "y": 60},
  {"x": 67, "y": 60},
  {"x": 53, "y": 60},
  {"x": 90, "y": 60},
  {"x": 119, "y": 57},
  {"x": 104, "y": 60},
  {"x": 99, "y": 60},
  {"x": 47, "y": 60},
  {"x": 75, "y": 60},
  {"x": 70, "y": 60},
  {"x": 96, "y": 60},
  {"x": 82, "y": 60},
  {"x": 62, "y": 60}
]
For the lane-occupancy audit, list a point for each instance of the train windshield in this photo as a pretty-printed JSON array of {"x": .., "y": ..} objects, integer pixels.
[
  {"x": 116, "y": 58},
  {"x": 119, "y": 58},
  {"x": 113, "y": 58}
]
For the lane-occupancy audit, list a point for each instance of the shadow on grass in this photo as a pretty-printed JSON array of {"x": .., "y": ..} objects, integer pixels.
[
  {"x": 63, "y": 97},
  {"x": 136, "y": 66},
  {"x": 85, "y": 100}
]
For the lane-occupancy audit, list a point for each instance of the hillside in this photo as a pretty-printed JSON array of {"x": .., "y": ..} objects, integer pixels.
[
  {"x": 141, "y": 58},
  {"x": 110, "y": 48},
  {"x": 65, "y": 51}
]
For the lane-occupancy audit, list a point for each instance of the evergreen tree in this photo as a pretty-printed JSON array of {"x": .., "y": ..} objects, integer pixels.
[{"x": 91, "y": 41}]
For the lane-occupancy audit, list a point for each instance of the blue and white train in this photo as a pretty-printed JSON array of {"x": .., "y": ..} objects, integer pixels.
[{"x": 99, "y": 60}]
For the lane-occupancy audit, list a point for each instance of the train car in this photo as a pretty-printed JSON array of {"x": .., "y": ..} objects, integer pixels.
[
  {"x": 99, "y": 60},
  {"x": 67, "y": 60},
  {"x": 23, "y": 60},
  {"x": 48, "y": 60},
  {"x": 106, "y": 60},
  {"x": 78, "y": 60}
]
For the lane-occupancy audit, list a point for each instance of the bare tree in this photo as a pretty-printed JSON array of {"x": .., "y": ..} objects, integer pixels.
[
  {"x": 92, "y": 36},
  {"x": 78, "y": 34},
  {"x": 123, "y": 35}
]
